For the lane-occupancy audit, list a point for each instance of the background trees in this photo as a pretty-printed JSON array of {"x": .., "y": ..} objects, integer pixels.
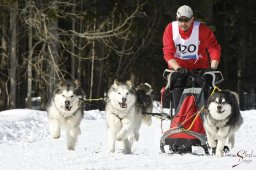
[{"x": 96, "y": 41}]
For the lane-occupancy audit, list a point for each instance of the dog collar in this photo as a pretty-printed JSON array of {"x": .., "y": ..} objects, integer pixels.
[{"x": 115, "y": 114}]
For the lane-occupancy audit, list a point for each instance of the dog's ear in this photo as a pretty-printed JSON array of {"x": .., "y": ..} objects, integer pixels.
[
  {"x": 61, "y": 82},
  {"x": 77, "y": 83},
  {"x": 129, "y": 83},
  {"x": 59, "y": 85},
  {"x": 150, "y": 90},
  {"x": 148, "y": 85},
  {"x": 139, "y": 87},
  {"x": 115, "y": 84},
  {"x": 145, "y": 87}
]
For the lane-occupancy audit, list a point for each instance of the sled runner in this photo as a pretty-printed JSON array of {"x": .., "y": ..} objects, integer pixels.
[{"x": 188, "y": 96}]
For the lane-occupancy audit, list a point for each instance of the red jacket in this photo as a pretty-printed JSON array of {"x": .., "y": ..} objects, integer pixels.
[{"x": 208, "y": 43}]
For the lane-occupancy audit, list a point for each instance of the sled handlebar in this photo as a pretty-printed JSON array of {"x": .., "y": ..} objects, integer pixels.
[
  {"x": 189, "y": 72},
  {"x": 212, "y": 77}
]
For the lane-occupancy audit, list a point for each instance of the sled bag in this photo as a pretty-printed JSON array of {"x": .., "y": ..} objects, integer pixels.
[{"x": 185, "y": 118}]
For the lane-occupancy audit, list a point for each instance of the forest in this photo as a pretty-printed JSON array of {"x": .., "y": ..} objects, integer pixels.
[{"x": 96, "y": 41}]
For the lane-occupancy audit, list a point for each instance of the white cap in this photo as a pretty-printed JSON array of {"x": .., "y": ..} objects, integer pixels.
[{"x": 184, "y": 11}]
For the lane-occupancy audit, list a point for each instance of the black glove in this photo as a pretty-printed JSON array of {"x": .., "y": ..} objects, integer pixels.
[
  {"x": 208, "y": 79},
  {"x": 212, "y": 69},
  {"x": 182, "y": 70}
]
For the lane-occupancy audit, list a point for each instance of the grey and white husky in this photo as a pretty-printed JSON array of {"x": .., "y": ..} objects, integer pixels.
[
  {"x": 124, "y": 116},
  {"x": 65, "y": 111},
  {"x": 222, "y": 119}
]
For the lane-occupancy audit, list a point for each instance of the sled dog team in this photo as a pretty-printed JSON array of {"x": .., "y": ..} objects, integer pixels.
[{"x": 125, "y": 111}]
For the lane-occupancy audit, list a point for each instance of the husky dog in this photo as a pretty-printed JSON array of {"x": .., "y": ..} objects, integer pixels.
[
  {"x": 222, "y": 119},
  {"x": 143, "y": 92},
  {"x": 124, "y": 116},
  {"x": 65, "y": 111}
]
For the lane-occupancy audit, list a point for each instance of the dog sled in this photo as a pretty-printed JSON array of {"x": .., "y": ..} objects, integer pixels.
[{"x": 188, "y": 95}]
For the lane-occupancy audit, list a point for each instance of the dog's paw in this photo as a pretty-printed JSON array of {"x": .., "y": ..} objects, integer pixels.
[
  {"x": 212, "y": 143},
  {"x": 56, "y": 136},
  {"x": 71, "y": 148},
  {"x": 126, "y": 151},
  {"x": 219, "y": 153},
  {"x": 226, "y": 149},
  {"x": 110, "y": 151},
  {"x": 119, "y": 137}
]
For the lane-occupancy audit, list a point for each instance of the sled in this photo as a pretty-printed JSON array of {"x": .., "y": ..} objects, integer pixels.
[{"x": 189, "y": 94}]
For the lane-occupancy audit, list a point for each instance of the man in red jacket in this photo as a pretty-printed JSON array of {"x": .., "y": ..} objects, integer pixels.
[{"x": 186, "y": 43}]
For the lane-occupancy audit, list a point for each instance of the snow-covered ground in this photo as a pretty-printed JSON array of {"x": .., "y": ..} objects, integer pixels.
[{"x": 25, "y": 144}]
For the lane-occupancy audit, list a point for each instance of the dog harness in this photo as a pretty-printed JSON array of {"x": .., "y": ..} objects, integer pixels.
[
  {"x": 115, "y": 114},
  {"x": 120, "y": 118}
]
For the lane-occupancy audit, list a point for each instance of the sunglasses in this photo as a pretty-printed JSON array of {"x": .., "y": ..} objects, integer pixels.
[{"x": 184, "y": 19}]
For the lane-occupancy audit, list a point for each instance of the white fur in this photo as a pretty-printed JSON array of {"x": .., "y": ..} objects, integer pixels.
[
  {"x": 215, "y": 124},
  {"x": 59, "y": 117},
  {"x": 226, "y": 108},
  {"x": 123, "y": 123},
  {"x": 221, "y": 135}
]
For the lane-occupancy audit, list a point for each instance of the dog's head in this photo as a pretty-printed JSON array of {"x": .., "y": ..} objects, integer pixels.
[
  {"x": 220, "y": 104},
  {"x": 144, "y": 95},
  {"x": 67, "y": 94},
  {"x": 144, "y": 88},
  {"x": 122, "y": 95}
]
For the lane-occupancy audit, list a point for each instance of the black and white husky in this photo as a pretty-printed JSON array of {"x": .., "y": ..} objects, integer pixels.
[
  {"x": 124, "y": 115},
  {"x": 65, "y": 111},
  {"x": 222, "y": 119}
]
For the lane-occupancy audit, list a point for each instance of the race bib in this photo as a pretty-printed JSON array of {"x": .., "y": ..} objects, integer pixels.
[{"x": 186, "y": 49}]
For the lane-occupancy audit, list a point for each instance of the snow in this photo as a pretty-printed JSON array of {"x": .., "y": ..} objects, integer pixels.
[{"x": 25, "y": 144}]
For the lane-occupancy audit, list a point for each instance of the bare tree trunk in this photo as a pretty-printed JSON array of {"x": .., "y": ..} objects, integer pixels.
[
  {"x": 92, "y": 68},
  {"x": 29, "y": 90},
  {"x": 121, "y": 57},
  {"x": 241, "y": 62},
  {"x": 41, "y": 85},
  {"x": 100, "y": 68},
  {"x": 53, "y": 49},
  {"x": 93, "y": 58},
  {"x": 3, "y": 65},
  {"x": 133, "y": 79},
  {"x": 79, "y": 68},
  {"x": 13, "y": 56},
  {"x": 73, "y": 60}
]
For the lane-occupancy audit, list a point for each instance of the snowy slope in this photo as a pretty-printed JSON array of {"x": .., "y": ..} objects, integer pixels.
[{"x": 25, "y": 144}]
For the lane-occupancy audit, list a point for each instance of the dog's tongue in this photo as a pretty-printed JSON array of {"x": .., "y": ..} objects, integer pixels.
[
  {"x": 68, "y": 108},
  {"x": 123, "y": 105}
]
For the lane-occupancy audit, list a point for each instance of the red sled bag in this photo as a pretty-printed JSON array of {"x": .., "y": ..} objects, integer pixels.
[
  {"x": 189, "y": 93},
  {"x": 186, "y": 129}
]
